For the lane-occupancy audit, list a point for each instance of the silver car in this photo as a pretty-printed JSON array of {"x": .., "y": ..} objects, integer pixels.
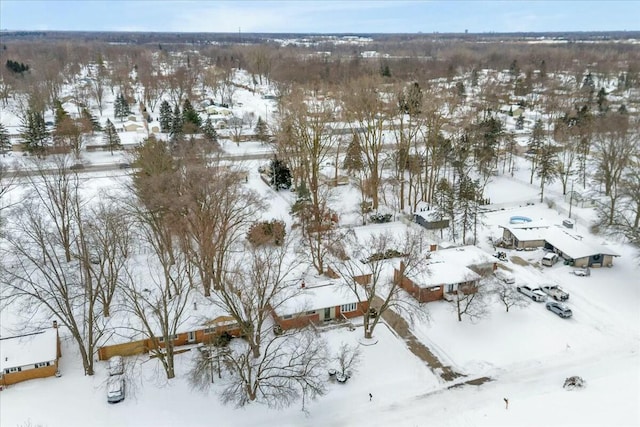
[
  {"x": 559, "y": 309},
  {"x": 115, "y": 389},
  {"x": 116, "y": 365},
  {"x": 535, "y": 294}
]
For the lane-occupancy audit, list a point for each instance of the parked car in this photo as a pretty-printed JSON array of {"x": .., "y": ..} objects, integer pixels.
[
  {"x": 505, "y": 276},
  {"x": 116, "y": 365},
  {"x": 549, "y": 259},
  {"x": 535, "y": 294},
  {"x": 559, "y": 309},
  {"x": 115, "y": 389},
  {"x": 555, "y": 292},
  {"x": 583, "y": 272}
]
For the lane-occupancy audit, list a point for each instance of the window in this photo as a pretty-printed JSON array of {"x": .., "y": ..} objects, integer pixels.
[
  {"x": 451, "y": 288},
  {"x": 10, "y": 370},
  {"x": 311, "y": 312},
  {"x": 161, "y": 339},
  {"x": 287, "y": 316},
  {"x": 209, "y": 330},
  {"x": 42, "y": 364},
  {"x": 348, "y": 307}
]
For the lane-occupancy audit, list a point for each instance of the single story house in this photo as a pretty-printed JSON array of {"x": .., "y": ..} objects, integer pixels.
[
  {"x": 577, "y": 252},
  {"x": 332, "y": 300},
  {"x": 29, "y": 356},
  {"x": 132, "y": 126},
  {"x": 429, "y": 218},
  {"x": 204, "y": 333},
  {"x": 524, "y": 235},
  {"x": 437, "y": 280},
  {"x": 469, "y": 256}
]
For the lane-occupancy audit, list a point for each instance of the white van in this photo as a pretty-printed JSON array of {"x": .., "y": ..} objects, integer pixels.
[
  {"x": 549, "y": 259},
  {"x": 505, "y": 276}
]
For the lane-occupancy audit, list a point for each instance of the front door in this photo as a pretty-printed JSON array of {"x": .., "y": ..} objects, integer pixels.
[
  {"x": 327, "y": 313},
  {"x": 191, "y": 337}
]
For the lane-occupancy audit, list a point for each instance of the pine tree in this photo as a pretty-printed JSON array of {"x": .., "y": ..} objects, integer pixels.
[
  {"x": 547, "y": 167},
  {"x": 602, "y": 100},
  {"x": 60, "y": 113},
  {"x": 353, "y": 161},
  {"x": 534, "y": 145},
  {"x": 191, "y": 120},
  {"x": 474, "y": 77},
  {"x": 280, "y": 174},
  {"x": 121, "y": 107},
  {"x": 209, "y": 131},
  {"x": 34, "y": 132},
  {"x": 520, "y": 122},
  {"x": 111, "y": 138},
  {"x": 90, "y": 118},
  {"x": 165, "y": 117},
  {"x": 177, "y": 125},
  {"x": 261, "y": 130},
  {"x": 5, "y": 141}
]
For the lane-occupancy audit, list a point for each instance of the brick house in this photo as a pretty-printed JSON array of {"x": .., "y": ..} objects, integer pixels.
[
  {"x": 438, "y": 280},
  {"x": 193, "y": 335},
  {"x": 317, "y": 304},
  {"x": 29, "y": 356}
]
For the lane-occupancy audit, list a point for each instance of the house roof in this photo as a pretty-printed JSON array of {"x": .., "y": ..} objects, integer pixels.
[
  {"x": 573, "y": 246},
  {"x": 464, "y": 255},
  {"x": 329, "y": 294},
  {"x": 526, "y": 235},
  {"x": 442, "y": 273},
  {"x": 29, "y": 349}
]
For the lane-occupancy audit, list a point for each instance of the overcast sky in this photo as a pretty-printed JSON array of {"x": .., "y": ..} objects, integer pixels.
[{"x": 329, "y": 16}]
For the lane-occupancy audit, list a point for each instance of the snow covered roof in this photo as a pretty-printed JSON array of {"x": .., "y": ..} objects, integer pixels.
[
  {"x": 525, "y": 235},
  {"x": 330, "y": 294},
  {"x": 464, "y": 255},
  {"x": 28, "y": 349},
  {"x": 573, "y": 246},
  {"x": 442, "y": 273}
]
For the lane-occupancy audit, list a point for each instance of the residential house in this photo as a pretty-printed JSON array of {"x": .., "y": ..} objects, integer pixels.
[
  {"x": 469, "y": 256},
  {"x": 189, "y": 335},
  {"x": 28, "y": 356},
  {"x": 524, "y": 235},
  {"x": 437, "y": 280},
  {"x": 576, "y": 252},
  {"x": 332, "y": 300}
]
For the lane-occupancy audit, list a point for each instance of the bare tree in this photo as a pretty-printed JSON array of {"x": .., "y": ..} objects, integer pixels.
[
  {"x": 257, "y": 284},
  {"x": 41, "y": 277},
  {"x": 509, "y": 296},
  {"x": 470, "y": 301},
  {"x": 365, "y": 275},
  {"x": 348, "y": 358},
  {"x": 159, "y": 307},
  {"x": 291, "y": 366}
]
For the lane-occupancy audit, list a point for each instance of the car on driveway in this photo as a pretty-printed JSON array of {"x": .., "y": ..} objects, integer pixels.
[
  {"x": 115, "y": 389},
  {"x": 559, "y": 309},
  {"x": 555, "y": 292},
  {"x": 535, "y": 294},
  {"x": 504, "y": 276}
]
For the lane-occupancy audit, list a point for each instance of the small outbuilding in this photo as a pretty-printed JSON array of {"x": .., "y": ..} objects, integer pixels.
[{"x": 429, "y": 218}]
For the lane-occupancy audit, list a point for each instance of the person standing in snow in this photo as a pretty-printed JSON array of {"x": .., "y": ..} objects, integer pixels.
[
  {"x": 370, "y": 397},
  {"x": 506, "y": 403}
]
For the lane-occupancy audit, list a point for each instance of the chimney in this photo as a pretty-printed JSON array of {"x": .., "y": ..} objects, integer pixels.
[
  {"x": 433, "y": 247},
  {"x": 55, "y": 324},
  {"x": 302, "y": 284}
]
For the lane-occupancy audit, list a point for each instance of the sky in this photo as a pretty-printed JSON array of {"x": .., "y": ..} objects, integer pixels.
[{"x": 329, "y": 16}]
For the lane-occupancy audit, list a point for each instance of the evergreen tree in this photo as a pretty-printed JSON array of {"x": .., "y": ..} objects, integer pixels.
[
  {"x": 353, "y": 161},
  {"x": 209, "y": 131},
  {"x": 385, "y": 71},
  {"x": 543, "y": 70},
  {"x": 534, "y": 144},
  {"x": 60, "y": 113},
  {"x": 90, "y": 118},
  {"x": 111, "y": 138},
  {"x": 547, "y": 167},
  {"x": 34, "y": 132},
  {"x": 444, "y": 204},
  {"x": 121, "y": 107},
  {"x": 520, "y": 122},
  {"x": 177, "y": 125},
  {"x": 602, "y": 100},
  {"x": 191, "y": 120},
  {"x": 5, "y": 141},
  {"x": 261, "y": 130},
  {"x": 165, "y": 117},
  {"x": 280, "y": 174}
]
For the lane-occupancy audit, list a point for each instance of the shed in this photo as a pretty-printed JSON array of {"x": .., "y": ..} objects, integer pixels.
[{"x": 428, "y": 217}]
